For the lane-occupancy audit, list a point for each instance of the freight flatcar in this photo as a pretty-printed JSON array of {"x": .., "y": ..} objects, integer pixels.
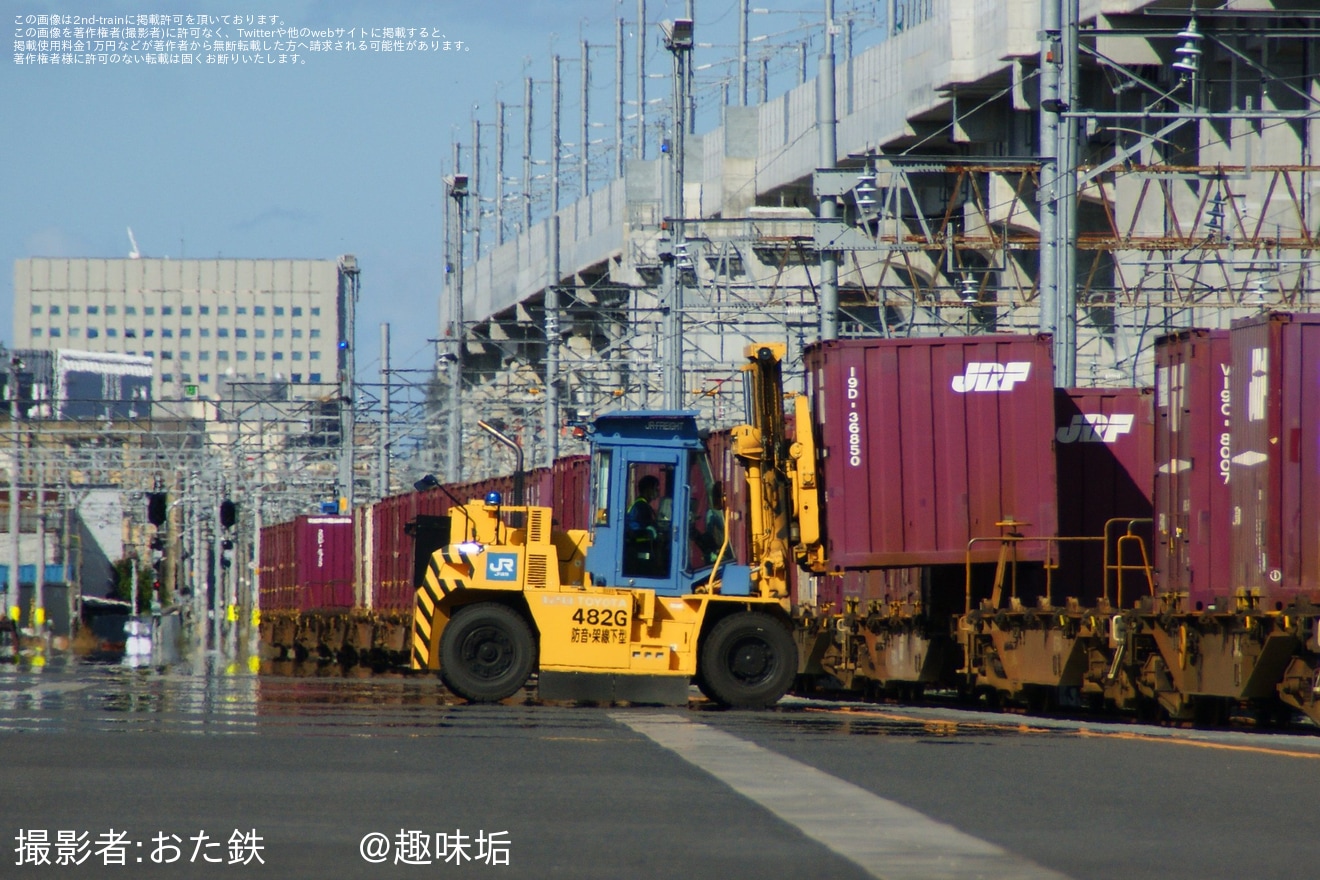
[
  {"x": 1225, "y": 613},
  {"x": 342, "y": 588}
]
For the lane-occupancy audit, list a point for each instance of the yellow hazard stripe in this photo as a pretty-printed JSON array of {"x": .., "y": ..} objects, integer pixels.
[
  {"x": 423, "y": 618},
  {"x": 454, "y": 557},
  {"x": 435, "y": 574},
  {"x": 421, "y": 640}
]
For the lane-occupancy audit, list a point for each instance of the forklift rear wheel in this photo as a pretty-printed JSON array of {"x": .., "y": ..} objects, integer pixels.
[
  {"x": 748, "y": 661},
  {"x": 486, "y": 653}
]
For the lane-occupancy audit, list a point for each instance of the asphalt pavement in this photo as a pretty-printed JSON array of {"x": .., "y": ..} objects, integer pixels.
[{"x": 214, "y": 772}]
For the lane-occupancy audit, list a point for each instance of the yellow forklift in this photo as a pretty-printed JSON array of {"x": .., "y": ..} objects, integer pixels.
[{"x": 646, "y": 601}]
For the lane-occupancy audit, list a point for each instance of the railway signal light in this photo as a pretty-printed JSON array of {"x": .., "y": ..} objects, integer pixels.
[
  {"x": 157, "y": 507},
  {"x": 228, "y": 513}
]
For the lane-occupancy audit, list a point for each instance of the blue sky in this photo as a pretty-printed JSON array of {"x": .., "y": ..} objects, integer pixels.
[{"x": 339, "y": 154}]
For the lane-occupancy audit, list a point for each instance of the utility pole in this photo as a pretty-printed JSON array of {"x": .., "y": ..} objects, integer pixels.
[
  {"x": 618, "y": 98},
  {"x": 499, "y": 172},
  {"x": 474, "y": 187},
  {"x": 640, "y": 148},
  {"x": 689, "y": 75},
  {"x": 232, "y": 573},
  {"x": 1051, "y": 109},
  {"x": 527, "y": 157},
  {"x": 384, "y": 446},
  {"x": 348, "y": 294},
  {"x": 583, "y": 172},
  {"x": 552, "y": 282},
  {"x": 457, "y": 189},
  {"x": 217, "y": 569},
  {"x": 198, "y": 571},
  {"x": 555, "y": 141},
  {"x": 11, "y": 606},
  {"x": 742, "y": 52},
  {"x": 39, "y": 576},
  {"x": 254, "y": 635},
  {"x": 66, "y": 550},
  {"x": 1065, "y": 339},
  {"x": 679, "y": 40},
  {"x": 825, "y": 122}
]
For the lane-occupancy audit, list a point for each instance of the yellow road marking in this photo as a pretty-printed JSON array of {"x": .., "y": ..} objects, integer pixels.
[
  {"x": 1199, "y": 743},
  {"x": 951, "y": 726}
]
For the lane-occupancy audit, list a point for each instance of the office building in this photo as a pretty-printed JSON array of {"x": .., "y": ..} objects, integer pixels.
[{"x": 205, "y": 324}]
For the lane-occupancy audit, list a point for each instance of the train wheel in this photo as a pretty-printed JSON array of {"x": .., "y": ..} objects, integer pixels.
[
  {"x": 486, "y": 653},
  {"x": 748, "y": 661}
]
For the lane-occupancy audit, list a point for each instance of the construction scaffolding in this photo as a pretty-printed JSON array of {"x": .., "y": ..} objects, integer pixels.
[{"x": 1036, "y": 173}]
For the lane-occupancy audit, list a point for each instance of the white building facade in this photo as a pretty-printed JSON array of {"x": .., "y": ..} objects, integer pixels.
[{"x": 202, "y": 322}]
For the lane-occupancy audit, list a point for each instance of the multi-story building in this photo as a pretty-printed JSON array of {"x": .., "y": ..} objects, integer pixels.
[
  {"x": 69, "y": 384},
  {"x": 204, "y": 323}
]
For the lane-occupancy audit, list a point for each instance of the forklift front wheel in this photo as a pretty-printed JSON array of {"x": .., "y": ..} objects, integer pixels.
[
  {"x": 486, "y": 653},
  {"x": 748, "y": 661}
]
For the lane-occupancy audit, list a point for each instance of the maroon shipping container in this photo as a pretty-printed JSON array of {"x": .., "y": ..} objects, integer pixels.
[
  {"x": 928, "y": 443},
  {"x": 308, "y": 564},
  {"x": 1276, "y": 459},
  {"x": 276, "y": 592},
  {"x": 571, "y": 498},
  {"x": 389, "y": 563},
  {"x": 1104, "y": 443},
  {"x": 1193, "y": 498}
]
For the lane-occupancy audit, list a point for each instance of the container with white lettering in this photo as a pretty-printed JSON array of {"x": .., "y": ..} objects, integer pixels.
[
  {"x": 307, "y": 564},
  {"x": 1104, "y": 442},
  {"x": 1275, "y": 471},
  {"x": 1193, "y": 500},
  {"x": 928, "y": 443}
]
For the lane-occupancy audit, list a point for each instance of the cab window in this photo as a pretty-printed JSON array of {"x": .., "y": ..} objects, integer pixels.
[
  {"x": 649, "y": 521},
  {"x": 600, "y": 488}
]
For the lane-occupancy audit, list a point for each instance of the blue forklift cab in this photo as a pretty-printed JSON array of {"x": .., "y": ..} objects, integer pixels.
[{"x": 654, "y": 506}]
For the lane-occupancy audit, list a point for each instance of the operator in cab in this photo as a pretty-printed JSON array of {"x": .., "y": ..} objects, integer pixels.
[{"x": 640, "y": 553}]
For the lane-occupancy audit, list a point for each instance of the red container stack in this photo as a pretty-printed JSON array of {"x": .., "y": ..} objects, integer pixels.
[
  {"x": 570, "y": 497},
  {"x": 1193, "y": 498},
  {"x": 308, "y": 565},
  {"x": 277, "y": 571},
  {"x": 390, "y": 567},
  {"x": 1275, "y": 474},
  {"x": 929, "y": 443}
]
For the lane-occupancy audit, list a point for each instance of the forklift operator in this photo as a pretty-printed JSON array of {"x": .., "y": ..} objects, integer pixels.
[{"x": 640, "y": 557}]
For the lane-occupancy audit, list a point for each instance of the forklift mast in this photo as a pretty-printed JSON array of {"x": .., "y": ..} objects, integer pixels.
[{"x": 784, "y": 496}]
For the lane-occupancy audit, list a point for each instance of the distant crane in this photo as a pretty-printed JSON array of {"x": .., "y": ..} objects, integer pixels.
[{"x": 134, "y": 254}]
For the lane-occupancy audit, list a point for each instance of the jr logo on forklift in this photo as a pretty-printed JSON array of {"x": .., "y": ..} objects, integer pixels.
[{"x": 502, "y": 567}]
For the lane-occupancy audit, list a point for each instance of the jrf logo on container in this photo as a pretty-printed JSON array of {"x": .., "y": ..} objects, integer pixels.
[
  {"x": 991, "y": 377},
  {"x": 1095, "y": 428}
]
